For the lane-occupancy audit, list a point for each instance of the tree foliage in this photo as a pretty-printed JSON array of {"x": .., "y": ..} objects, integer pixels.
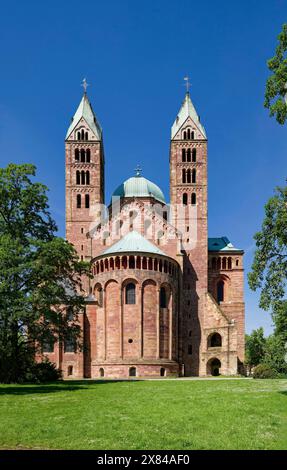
[
  {"x": 255, "y": 344},
  {"x": 276, "y": 85},
  {"x": 39, "y": 274},
  {"x": 269, "y": 268}
]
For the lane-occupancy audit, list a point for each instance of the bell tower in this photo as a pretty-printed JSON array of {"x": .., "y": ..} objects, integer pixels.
[
  {"x": 84, "y": 174},
  {"x": 188, "y": 197}
]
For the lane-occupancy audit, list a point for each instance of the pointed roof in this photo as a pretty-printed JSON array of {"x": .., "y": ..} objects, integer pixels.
[
  {"x": 85, "y": 111},
  {"x": 133, "y": 242},
  {"x": 187, "y": 110}
]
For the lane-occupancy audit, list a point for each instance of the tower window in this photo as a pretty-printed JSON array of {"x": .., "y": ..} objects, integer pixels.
[
  {"x": 184, "y": 135},
  {"x": 188, "y": 155},
  {"x": 82, "y": 134},
  {"x": 79, "y": 201},
  {"x": 193, "y": 176},
  {"x": 87, "y": 201},
  {"x": 184, "y": 176},
  {"x": 82, "y": 177},
  {"x": 87, "y": 177},
  {"x": 69, "y": 345},
  {"x": 189, "y": 349},
  {"x": 88, "y": 155},
  {"x": 77, "y": 155},
  {"x": 192, "y": 135},
  {"x": 162, "y": 298},
  {"x": 188, "y": 134},
  {"x": 78, "y": 177},
  {"x": 83, "y": 155},
  {"x": 193, "y": 199},
  {"x": 130, "y": 294},
  {"x": 194, "y": 155},
  {"x": 86, "y": 136},
  {"x": 184, "y": 199},
  {"x": 188, "y": 177},
  {"x": 183, "y": 155},
  {"x": 220, "y": 291}
]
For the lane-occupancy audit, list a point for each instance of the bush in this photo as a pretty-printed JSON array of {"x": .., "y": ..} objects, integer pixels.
[
  {"x": 41, "y": 372},
  {"x": 263, "y": 371}
]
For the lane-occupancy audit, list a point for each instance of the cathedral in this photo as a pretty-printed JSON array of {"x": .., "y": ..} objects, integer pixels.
[{"x": 165, "y": 300}]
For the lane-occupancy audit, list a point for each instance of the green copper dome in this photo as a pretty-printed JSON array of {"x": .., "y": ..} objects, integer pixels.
[{"x": 138, "y": 186}]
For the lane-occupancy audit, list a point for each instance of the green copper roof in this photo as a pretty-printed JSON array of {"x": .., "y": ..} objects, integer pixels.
[
  {"x": 138, "y": 186},
  {"x": 187, "y": 110},
  {"x": 133, "y": 242},
  {"x": 221, "y": 244},
  {"x": 85, "y": 111}
]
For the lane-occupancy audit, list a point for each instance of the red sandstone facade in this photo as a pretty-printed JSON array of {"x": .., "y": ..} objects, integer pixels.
[{"x": 164, "y": 299}]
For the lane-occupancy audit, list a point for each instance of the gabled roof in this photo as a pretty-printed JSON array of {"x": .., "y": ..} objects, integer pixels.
[
  {"x": 221, "y": 244},
  {"x": 133, "y": 242},
  {"x": 85, "y": 111},
  {"x": 187, "y": 110}
]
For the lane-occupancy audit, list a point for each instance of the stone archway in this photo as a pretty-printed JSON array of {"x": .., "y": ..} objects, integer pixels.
[{"x": 213, "y": 367}]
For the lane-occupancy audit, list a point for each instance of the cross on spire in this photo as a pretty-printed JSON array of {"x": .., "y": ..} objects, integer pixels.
[
  {"x": 84, "y": 84},
  {"x": 187, "y": 83},
  {"x": 138, "y": 170}
]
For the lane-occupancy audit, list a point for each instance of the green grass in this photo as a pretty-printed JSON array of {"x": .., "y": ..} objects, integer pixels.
[{"x": 164, "y": 414}]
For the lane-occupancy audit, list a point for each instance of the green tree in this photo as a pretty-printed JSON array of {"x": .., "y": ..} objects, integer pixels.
[
  {"x": 269, "y": 268},
  {"x": 39, "y": 274},
  {"x": 255, "y": 344},
  {"x": 275, "y": 354},
  {"x": 276, "y": 85}
]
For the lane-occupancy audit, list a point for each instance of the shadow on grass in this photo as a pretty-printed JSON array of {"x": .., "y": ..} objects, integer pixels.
[{"x": 54, "y": 387}]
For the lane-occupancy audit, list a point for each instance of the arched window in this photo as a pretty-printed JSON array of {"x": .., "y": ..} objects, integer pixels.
[
  {"x": 162, "y": 371},
  {"x": 188, "y": 134},
  {"x": 193, "y": 175},
  {"x": 184, "y": 135},
  {"x": 69, "y": 345},
  {"x": 87, "y": 177},
  {"x": 48, "y": 346},
  {"x": 162, "y": 298},
  {"x": 188, "y": 155},
  {"x": 224, "y": 263},
  {"x": 82, "y": 177},
  {"x": 77, "y": 155},
  {"x": 229, "y": 263},
  {"x": 78, "y": 135},
  {"x": 183, "y": 176},
  {"x": 183, "y": 155},
  {"x": 188, "y": 177},
  {"x": 130, "y": 294},
  {"x": 184, "y": 199},
  {"x": 79, "y": 201},
  {"x": 132, "y": 262},
  {"x": 78, "y": 177},
  {"x": 82, "y": 135},
  {"x": 86, "y": 136},
  {"x": 214, "y": 341},
  {"x": 220, "y": 291},
  {"x": 132, "y": 371},
  {"x": 88, "y": 155},
  {"x": 83, "y": 155},
  {"x": 193, "y": 199},
  {"x": 87, "y": 201},
  {"x": 194, "y": 155},
  {"x": 102, "y": 372},
  {"x": 192, "y": 135}
]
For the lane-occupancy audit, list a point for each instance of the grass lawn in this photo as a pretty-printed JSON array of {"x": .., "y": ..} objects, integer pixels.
[{"x": 163, "y": 414}]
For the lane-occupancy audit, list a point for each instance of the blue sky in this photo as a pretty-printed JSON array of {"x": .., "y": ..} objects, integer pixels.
[{"x": 135, "y": 55}]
